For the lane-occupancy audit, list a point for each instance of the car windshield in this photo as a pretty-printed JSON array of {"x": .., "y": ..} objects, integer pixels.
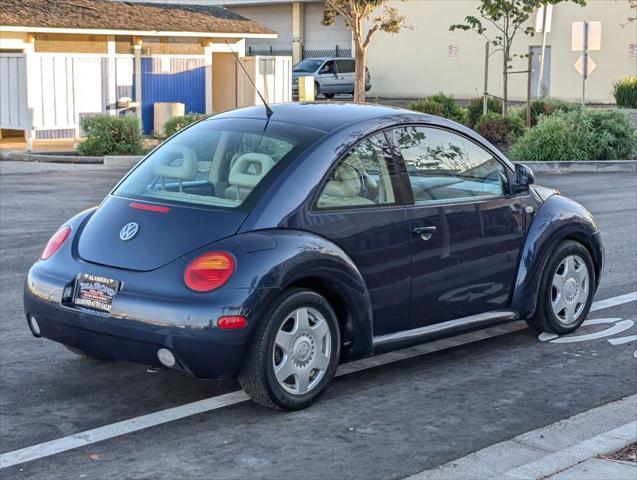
[
  {"x": 308, "y": 65},
  {"x": 217, "y": 162}
]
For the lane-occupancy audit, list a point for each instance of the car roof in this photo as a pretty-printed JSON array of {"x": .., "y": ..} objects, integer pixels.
[
  {"x": 325, "y": 116},
  {"x": 328, "y": 58}
]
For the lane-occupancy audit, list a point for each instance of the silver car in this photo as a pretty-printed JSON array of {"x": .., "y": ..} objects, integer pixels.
[{"x": 332, "y": 75}]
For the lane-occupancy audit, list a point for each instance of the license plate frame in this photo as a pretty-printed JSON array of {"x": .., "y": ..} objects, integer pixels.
[{"x": 95, "y": 292}]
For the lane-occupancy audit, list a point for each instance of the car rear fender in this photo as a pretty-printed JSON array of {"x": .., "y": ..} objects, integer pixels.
[
  {"x": 557, "y": 219},
  {"x": 271, "y": 260}
]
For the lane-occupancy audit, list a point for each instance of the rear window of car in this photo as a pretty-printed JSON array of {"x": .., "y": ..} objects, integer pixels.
[
  {"x": 217, "y": 162},
  {"x": 345, "y": 66}
]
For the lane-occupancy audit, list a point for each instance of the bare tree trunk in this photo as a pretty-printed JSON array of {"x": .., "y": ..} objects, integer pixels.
[
  {"x": 505, "y": 81},
  {"x": 360, "y": 55}
]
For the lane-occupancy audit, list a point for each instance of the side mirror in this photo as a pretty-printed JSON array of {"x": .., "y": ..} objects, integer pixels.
[{"x": 524, "y": 177}]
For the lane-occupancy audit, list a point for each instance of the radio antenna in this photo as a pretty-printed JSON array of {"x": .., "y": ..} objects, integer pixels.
[{"x": 268, "y": 110}]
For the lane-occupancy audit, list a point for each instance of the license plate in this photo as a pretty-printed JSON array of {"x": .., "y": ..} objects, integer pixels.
[{"x": 95, "y": 292}]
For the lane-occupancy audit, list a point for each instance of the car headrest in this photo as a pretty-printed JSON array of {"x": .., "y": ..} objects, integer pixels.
[
  {"x": 346, "y": 183},
  {"x": 185, "y": 171},
  {"x": 249, "y": 169}
]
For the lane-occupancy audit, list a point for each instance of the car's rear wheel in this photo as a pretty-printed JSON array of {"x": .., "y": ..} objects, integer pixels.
[
  {"x": 295, "y": 352},
  {"x": 329, "y": 95},
  {"x": 566, "y": 289}
]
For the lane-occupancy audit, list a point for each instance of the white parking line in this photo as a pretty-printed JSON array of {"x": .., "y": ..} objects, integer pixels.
[
  {"x": 611, "y": 302},
  {"x": 135, "y": 424}
]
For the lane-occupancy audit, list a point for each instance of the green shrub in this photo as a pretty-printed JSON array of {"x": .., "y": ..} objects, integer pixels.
[
  {"x": 440, "y": 105},
  {"x": 614, "y": 133},
  {"x": 178, "y": 123},
  {"x": 107, "y": 135},
  {"x": 588, "y": 134},
  {"x": 425, "y": 105},
  {"x": 499, "y": 130},
  {"x": 543, "y": 106},
  {"x": 474, "y": 109},
  {"x": 625, "y": 92}
]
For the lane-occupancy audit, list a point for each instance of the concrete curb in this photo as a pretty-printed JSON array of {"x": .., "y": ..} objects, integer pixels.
[
  {"x": 127, "y": 161},
  {"x": 559, "y": 461},
  {"x": 586, "y": 166},
  {"x": 547, "y": 450},
  {"x": 123, "y": 161},
  {"x": 51, "y": 158}
]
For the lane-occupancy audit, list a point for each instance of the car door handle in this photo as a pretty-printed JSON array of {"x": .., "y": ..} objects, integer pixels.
[{"x": 425, "y": 232}]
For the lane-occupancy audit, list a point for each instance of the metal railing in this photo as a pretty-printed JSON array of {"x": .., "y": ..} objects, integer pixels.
[{"x": 307, "y": 53}]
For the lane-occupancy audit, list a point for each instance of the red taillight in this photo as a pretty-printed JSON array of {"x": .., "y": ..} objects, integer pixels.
[
  {"x": 55, "y": 242},
  {"x": 148, "y": 207},
  {"x": 209, "y": 271},
  {"x": 234, "y": 322}
]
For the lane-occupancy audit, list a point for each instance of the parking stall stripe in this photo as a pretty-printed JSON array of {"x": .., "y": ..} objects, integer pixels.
[
  {"x": 142, "y": 422},
  {"x": 611, "y": 302},
  {"x": 119, "y": 428}
]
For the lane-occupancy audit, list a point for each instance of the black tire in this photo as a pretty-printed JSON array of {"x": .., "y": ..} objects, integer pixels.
[
  {"x": 257, "y": 376},
  {"x": 545, "y": 319},
  {"x": 329, "y": 95},
  {"x": 317, "y": 90},
  {"x": 83, "y": 354}
]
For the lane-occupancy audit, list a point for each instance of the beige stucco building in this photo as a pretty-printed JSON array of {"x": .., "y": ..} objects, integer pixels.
[{"x": 429, "y": 58}]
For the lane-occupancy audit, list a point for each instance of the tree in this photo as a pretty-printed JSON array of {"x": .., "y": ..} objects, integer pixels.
[
  {"x": 356, "y": 13},
  {"x": 632, "y": 4},
  {"x": 507, "y": 18}
]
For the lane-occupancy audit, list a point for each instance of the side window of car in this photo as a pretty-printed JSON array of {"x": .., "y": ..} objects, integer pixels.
[
  {"x": 362, "y": 178},
  {"x": 345, "y": 66},
  {"x": 444, "y": 166},
  {"x": 328, "y": 68}
]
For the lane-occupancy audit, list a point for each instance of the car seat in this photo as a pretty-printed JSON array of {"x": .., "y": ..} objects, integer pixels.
[{"x": 246, "y": 172}]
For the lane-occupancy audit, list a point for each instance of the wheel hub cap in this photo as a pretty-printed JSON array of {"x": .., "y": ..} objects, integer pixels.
[
  {"x": 302, "y": 350},
  {"x": 571, "y": 289}
]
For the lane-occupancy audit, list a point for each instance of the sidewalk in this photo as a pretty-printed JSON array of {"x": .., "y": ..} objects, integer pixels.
[
  {"x": 16, "y": 144},
  {"x": 566, "y": 450}
]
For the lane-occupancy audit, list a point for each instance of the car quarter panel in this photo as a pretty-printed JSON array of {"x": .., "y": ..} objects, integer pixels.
[
  {"x": 270, "y": 260},
  {"x": 557, "y": 218}
]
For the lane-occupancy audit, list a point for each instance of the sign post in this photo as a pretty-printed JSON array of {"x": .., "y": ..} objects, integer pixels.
[
  {"x": 585, "y": 65},
  {"x": 586, "y": 36}
]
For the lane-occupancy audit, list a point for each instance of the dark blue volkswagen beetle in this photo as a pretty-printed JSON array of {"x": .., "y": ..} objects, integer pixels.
[{"x": 271, "y": 249}]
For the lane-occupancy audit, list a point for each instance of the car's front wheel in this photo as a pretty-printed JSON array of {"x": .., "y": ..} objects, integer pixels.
[
  {"x": 295, "y": 352},
  {"x": 566, "y": 289}
]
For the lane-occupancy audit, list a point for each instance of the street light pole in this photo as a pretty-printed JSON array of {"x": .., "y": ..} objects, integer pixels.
[{"x": 541, "y": 76}]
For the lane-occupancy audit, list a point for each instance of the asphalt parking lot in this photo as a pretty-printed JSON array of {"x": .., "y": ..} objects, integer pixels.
[{"x": 384, "y": 422}]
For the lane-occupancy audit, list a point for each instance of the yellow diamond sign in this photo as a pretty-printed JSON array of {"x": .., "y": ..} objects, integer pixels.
[{"x": 579, "y": 65}]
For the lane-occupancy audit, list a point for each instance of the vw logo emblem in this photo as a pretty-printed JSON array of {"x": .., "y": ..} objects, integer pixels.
[{"x": 128, "y": 231}]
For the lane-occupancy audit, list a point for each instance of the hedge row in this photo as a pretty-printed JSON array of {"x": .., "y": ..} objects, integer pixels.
[{"x": 560, "y": 130}]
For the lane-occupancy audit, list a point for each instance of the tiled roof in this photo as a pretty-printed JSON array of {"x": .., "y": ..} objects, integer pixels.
[{"x": 115, "y": 15}]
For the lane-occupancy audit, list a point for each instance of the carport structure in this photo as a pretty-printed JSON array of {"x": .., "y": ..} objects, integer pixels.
[{"x": 61, "y": 60}]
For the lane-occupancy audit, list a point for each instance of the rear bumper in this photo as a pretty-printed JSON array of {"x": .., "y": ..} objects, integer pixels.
[{"x": 188, "y": 330}]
